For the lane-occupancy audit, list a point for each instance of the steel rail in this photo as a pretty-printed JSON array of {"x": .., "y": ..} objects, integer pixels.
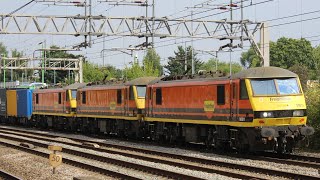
[
  {"x": 155, "y": 171},
  {"x": 169, "y": 155}
]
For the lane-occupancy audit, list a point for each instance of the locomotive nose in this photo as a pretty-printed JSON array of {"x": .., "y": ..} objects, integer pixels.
[{"x": 307, "y": 131}]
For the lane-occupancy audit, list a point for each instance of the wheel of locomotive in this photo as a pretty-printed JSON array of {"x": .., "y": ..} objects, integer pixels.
[
  {"x": 211, "y": 141},
  {"x": 282, "y": 145},
  {"x": 243, "y": 145},
  {"x": 142, "y": 131},
  {"x": 290, "y": 145},
  {"x": 171, "y": 134}
]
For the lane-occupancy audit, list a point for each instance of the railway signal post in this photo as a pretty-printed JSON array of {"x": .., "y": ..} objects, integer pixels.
[{"x": 55, "y": 160}]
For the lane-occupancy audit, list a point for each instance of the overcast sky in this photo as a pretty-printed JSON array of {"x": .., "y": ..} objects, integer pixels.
[{"x": 307, "y": 25}]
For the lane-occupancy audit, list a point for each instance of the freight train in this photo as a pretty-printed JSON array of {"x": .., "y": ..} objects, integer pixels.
[{"x": 258, "y": 109}]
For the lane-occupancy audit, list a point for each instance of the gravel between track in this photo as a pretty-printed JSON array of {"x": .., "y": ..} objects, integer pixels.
[
  {"x": 269, "y": 165},
  {"x": 30, "y": 167},
  {"x": 137, "y": 174},
  {"x": 264, "y": 164}
]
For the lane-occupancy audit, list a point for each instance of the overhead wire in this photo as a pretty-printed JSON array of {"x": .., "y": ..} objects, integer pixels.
[
  {"x": 16, "y": 10},
  {"x": 204, "y": 16},
  {"x": 267, "y": 20},
  {"x": 200, "y": 34}
]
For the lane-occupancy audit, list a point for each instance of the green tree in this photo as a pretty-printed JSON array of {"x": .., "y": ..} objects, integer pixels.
[
  {"x": 3, "y": 53},
  {"x": 224, "y": 67},
  {"x": 60, "y": 76},
  {"x": 288, "y": 52},
  {"x": 316, "y": 56},
  {"x": 154, "y": 58},
  {"x": 12, "y": 74},
  {"x": 302, "y": 72},
  {"x": 112, "y": 72},
  {"x": 3, "y": 49},
  {"x": 136, "y": 70},
  {"x": 176, "y": 64},
  {"x": 250, "y": 58},
  {"x": 92, "y": 72},
  {"x": 95, "y": 73},
  {"x": 313, "y": 104},
  {"x": 18, "y": 73},
  {"x": 284, "y": 53}
]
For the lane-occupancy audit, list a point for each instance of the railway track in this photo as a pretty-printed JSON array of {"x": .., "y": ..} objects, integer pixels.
[
  {"x": 289, "y": 159},
  {"x": 6, "y": 175},
  {"x": 70, "y": 162},
  {"x": 193, "y": 161},
  {"x": 157, "y": 171},
  {"x": 145, "y": 169}
]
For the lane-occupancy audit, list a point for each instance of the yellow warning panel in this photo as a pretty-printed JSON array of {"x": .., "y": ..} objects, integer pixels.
[
  {"x": 55, "y": 160},
  {"x": 208, "y": 106},
  {"x": 113, "y": 105}
]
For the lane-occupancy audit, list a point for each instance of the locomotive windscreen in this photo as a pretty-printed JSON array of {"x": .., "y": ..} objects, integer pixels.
[
  {"x": 74, "y": 94},
  {"x": 286, "y": 86},
  {"x": 263, "y": 87},
  {"x": 141, "y": 90}
]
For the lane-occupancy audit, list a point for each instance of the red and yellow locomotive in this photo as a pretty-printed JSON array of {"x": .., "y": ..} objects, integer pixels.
[{"x": 255, "y": 110}]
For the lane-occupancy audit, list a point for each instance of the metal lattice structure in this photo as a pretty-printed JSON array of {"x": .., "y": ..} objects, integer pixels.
[
  {"x": 52, "y": 64},
  {"x": 79, "y": 25},
  {"x": 126, "y": 26}
]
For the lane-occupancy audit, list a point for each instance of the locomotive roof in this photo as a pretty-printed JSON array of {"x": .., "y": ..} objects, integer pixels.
[
  {"x": 103, "y": 86},
  {"x": 264, "y": 72},
  {"x": 253, "y": 73},
  {"x": 75, "y": 86},
  {"x": 48, "y": 90},
  {"x": 189, "y": 80},
  {"x": 141, "y": 81}
]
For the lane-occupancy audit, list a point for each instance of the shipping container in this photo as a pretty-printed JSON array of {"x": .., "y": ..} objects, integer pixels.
[
  {"x": 24, "y": 103},
  {"x": 12, "y": 103},
  {"x": 3, "y": 102}
]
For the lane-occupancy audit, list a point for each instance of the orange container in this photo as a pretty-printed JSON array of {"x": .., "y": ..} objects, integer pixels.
[{"x": 12, "y": 103}]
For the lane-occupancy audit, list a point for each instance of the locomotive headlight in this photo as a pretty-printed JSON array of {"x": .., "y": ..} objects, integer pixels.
[
  {"x": 266, "y": 114},
  {"x": 298, "y": 113}
]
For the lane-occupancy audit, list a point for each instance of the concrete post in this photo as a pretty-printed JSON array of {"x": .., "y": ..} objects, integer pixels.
[{"x": 265, "y": 44}]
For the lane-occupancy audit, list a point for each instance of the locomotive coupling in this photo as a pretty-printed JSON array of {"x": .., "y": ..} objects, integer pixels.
[
  {"x": 268, "y": 132},
  {"x": 307, "y": 131}
]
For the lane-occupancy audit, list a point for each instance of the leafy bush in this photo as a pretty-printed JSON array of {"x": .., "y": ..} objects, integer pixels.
[{"x": 313, "y": 110}]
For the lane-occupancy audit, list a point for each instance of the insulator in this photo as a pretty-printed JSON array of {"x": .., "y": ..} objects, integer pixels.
[
  {"x": 223, "y": 8},
  {"x": 233, "y": 5}
]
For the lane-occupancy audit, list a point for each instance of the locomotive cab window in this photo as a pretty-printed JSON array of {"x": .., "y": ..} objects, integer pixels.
[
  {"x": 119, "y": 96},
  {"x": 263, "y": 87},
  {"x": 60, "y": 98},
  {"x": 220, "y": 95},
  {"x": 37, "y": 98},
  {"x": 150, "y": 93},
  {"x": 67, "y": 95},
  {"x": 74, "y": 94},
  {"x": 131, "y": 95},
  {"x": 284, "y": 86},
  {"x": 288, "y": 86},
  {"x": 243, "y": 90},
  {"x": 158, "y": 96},
  {"x": 84, "y": 97},
  {"x": 141, "y": 91}
]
